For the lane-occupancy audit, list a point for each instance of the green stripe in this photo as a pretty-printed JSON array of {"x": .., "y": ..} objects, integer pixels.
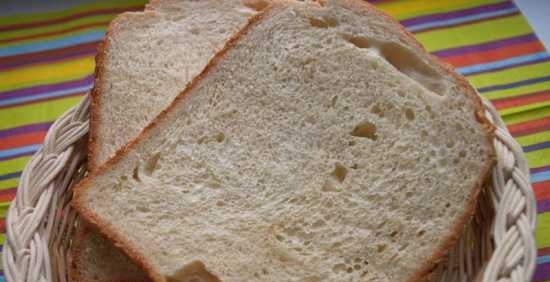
[
  {"x": 510, "y": 75},
  {"x": 517, "y": 91},
  {"x": 524, "y": 108},
  {"x": 99, "y": 19},
  {"x": 536, "y": 138},
  {"x": 476, "y": 33},
  {"x": 538, "y": 158},
  {"x": 38, "y": 17},
  {"x": 527, "y": 116},
  {"x": 41, "y": 112},
  {"x": 11, "y": 166},
  {"x": 543, "y": 230},
  {"x": 9, "y": 183},
  {"x": 400, "y": 13}
]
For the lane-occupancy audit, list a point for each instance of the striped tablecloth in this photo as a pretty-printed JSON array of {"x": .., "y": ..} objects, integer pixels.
[{"x": 47, "y": 63}]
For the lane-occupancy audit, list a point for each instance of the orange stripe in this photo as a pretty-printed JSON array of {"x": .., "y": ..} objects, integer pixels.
[
  {"x": 542, "y": 190},
  {"x": 495, "y": 55},
  {"x": 27, "y": 37},
  {"x": 521, "y": 100},
  {"x": 529, "y": 127},
  {"x": 22, "y": 140}
]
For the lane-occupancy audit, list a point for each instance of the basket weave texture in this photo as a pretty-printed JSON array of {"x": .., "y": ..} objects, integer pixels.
[{"x": 497, "y": 245}]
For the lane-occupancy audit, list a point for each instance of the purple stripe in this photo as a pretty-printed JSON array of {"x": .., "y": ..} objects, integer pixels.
[
  {"x": 542, "y": 273},
  {"x": 31, "y": 60},
  {"x": 30, "y": 91},
  {"x": 535, "y": 147},
  {"x": 25, "y": 129},
  {"x": 486, "y": 46},
  {"x": 458, "y": 14},
  {"x": 543, "y": 206},
  {"x": 539, "y": 169}
]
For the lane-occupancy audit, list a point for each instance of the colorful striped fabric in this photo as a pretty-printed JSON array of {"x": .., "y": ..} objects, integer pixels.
[{"x": 47, "y": 63}]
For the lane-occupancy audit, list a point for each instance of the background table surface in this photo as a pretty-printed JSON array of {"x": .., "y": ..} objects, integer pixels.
[{"x": 47, "y": 60}]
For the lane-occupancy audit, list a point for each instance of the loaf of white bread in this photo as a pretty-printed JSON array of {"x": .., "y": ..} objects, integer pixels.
[{"x": 322, "y": 143}]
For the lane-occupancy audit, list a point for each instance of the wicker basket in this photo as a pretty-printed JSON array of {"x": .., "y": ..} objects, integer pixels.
[{"x": 498, "y": 244}]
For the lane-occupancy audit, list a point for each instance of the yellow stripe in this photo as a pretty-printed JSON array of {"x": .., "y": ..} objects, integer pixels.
[
  {"x": 9, "y": 183},
  {"x": 13, "y": 165},
  {"x": 46, "y": 73},
  {"x": 527, "y": 116},
  {"x": 529, "y": 107},
  {"x": 538, "y": 158},
  {"x": 510, "y": 75},
  {"x": 3, "y": 212},
  {"x": 404, "y": 9},
  {"x": 476, "y": 33},
  {"x": 517, "y": 91},
  {"x": 531, "y": 139},
  {"x": 36, "y": 112},
  {"x": 543, "y": 230}
]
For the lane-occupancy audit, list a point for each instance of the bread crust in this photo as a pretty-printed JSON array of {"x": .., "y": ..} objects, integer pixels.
[
  {"x": 439, "y": 255},
  {"x": 358, "y": 6},
  {"x": 119, "y": 241}
]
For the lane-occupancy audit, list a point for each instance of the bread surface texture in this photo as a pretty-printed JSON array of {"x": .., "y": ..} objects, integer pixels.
[
  {"x": 322, "y": 144},
  {"x": 147, "y": 58}
]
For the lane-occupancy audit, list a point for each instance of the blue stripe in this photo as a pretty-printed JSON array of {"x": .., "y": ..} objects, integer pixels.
[
  {"x": 19, "y": 151},
  {"x": 540, "y": 176},
  {"x": 535, "y": 147},
  {"x": 502, "y": 63},
  {"x": 18, "y": 100},
  {"x": 10, "y": 175},
  {"x": 543, "y": 259},
  {"x": 455, "y": 21},
  {"x": 514, "y": 84},
  {"x": 51, "y": 44}
]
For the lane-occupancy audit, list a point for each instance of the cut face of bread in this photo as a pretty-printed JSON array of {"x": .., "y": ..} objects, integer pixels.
[
  {"x": 147, "y": 59},
  {"x": 323, "y": 144}
]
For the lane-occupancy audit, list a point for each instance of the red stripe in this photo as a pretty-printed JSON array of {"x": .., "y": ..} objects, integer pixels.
[
  {"x": 542, "y": 190},
  {"x": 57, "y": 32},
  {"x": 521, "y": 100},
  {"x": 22, "y": 140},
  {"x": 69, "y": 18},
  {"x": 2, "y": 225},
  {"x": 544, "y": 251},
  {"x": 8, "y": 194},
  {"x": 530, "y": 127},
  {"x": 47, "y": 54},
  {"x": 495, "y": 54}
]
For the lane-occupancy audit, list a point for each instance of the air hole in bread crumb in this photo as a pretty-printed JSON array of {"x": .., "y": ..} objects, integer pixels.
[
  {"x": 340, "y": 172},
  {"x": 220, "y": 137},
  {"x": 358, "y": 41},
  {"x": 142, "y": 209},
  {"x": 333, "y": 101},
  {"x": 420, "y": 233},
  {"x": 351, "y": 143},
  {"x": 450, "y": 144},
  {"x": 462, "y": 154},
  {"x": 377, "y": 111},
  {"x": 380, "y": 248},
  {"x": 257, "y": 5},
  {"x": 409, "y": 114},
  {"x": 447, "y": 205},
  {"x": 324, "y": 22},
  {"x": 394, "y": 233},
  {"x": 365, "y": 129}
]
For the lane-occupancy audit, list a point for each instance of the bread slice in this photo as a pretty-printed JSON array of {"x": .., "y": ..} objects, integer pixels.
[
  {"x": 146, "y": 59},
  {"x": 93, "y": 259},
  {"x": 321, "y": 144}
]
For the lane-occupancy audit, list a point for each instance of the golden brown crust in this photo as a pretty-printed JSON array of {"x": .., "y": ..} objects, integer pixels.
[
  {"x": 441, "y": 252},
  {"x": 427, "y": 267},
  {"x": 119, "y": 241}
]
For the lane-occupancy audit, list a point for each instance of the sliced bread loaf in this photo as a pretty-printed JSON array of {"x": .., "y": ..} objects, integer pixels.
[
  {"x": 146, "y": 59},
  {"x": 321, "y": 144}
]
